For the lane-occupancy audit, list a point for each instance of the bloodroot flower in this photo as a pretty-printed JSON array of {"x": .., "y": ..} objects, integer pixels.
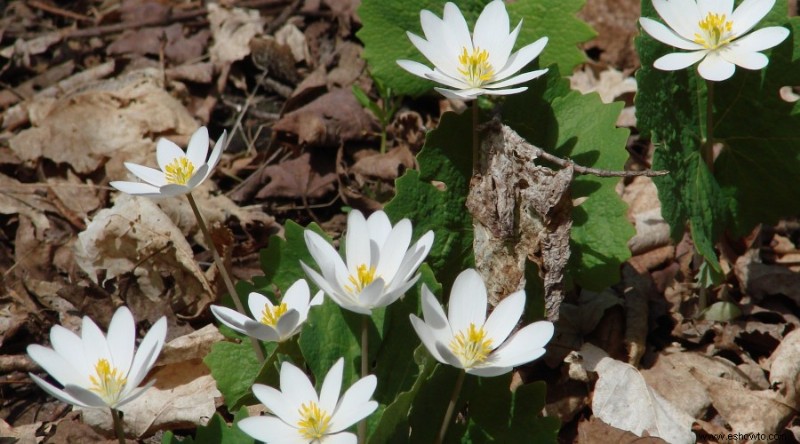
[
  {"x": 95, "y": 370},
  {"x": 714, "y": 34},
  {"x": 466, "y": 339},
  {"x": 179, "y": 172},
  {"x": 380, "y": 265},
  {"x": 302, "y": 416},
  {"x": 473, "y": 65},
  {"x": 274, "y": 323}
]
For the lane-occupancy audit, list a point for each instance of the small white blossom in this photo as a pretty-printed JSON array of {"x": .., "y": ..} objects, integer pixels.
[
  {"x": 270, "y": 322},
  {"x": 95, "y": 370},
  {"x": 473, "y": 65},
  {"x": 302, "y": 416},
  {"x": 466, "y": 339},
  {"x": 714, "y": 34},
  {"x": 179, "y": 172},
  {"x": 380, "y": 265}
]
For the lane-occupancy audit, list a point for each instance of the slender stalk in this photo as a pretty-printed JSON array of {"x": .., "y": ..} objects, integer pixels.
[
  {"x": 223, "y": 271},
  {"x": 708, "y": 145},
  {"x": 451, "y": 407},
  {"x": 116, "y": 415},
  {"x": 476, "y": 156},
  {"x": 362, "y": 425}
]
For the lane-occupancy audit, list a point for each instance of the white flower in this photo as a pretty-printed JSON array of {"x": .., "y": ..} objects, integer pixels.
[
  {"x": 476, "y": 65},
  {"x": 180, "y": 172},
  {"x": 466, "y": 339},
  {"x": 95, "y": 370},
  {"x": 275, "y": 323},
  {"x": 713, "y": 32},
  {"x": 301, "y": 417},
  {"x": 379, "y": 265}
]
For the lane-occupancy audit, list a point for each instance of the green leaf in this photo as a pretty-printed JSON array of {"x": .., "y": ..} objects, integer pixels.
[
  {"x": 234, "y": 367},
  {"x": 280, "y": 261},
  {"x": 385, "y": 24},
  {"x": 755, "y": 174},
  {"x": 216, "y": 431},
  {"x": 445, "y": 158},
  {"x": 331, "y": 333},
  {"x": 582, "y": 128}
]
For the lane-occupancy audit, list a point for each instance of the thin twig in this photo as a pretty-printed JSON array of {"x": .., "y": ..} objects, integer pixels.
[{"x": 513, "y": 137}]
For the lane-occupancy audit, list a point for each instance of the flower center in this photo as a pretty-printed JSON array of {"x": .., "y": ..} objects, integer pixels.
[
  {"x": 108, "y": 381},
  {"x": 364, "y": 276},
  {"x": 270, "y": 316},
  {"x": 716, "y": 31},
  {"x": 314, "y": 422},
  {"x": 475, "y": 66},
  {"x": 471, "y": 346},
  {"x": 179, "y": 171}
]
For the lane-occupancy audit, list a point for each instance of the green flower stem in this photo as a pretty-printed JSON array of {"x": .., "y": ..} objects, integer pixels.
[
  {"x": 119, "y": 431},
  {"x": 451, "y": 407},
  {"x": 708, "y": 146},
  {"x": 476, "y": 158},
  {"x": 362, "y": 425},
  {"x": 223, "y": 271}
]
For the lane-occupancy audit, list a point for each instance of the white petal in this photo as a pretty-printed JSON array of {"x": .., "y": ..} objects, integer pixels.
[
  {"x": 269, "y": 429},
  {"x": 761, "y": 39},
  {"x": 458, "y": 32},
  {"x": 467, "y": 304},
  {"x": 416, "y": 68},
  {"x": 355, "y": 404},
  {"x": 56, "y": 365},
  {"x": 213, "y": 159},
  {"x": 504, "y": 317},
  {"x": 432, "y": 311},
  {"x": 198, "y": 147},
  {"x": 331, "y": 387},
  {"x": 136, "y": 188},
  {"x": 397, "y": 292},
  {"x": 524, "y": 346},
  {"x": 379, "y": 227},
  {"x": 489, "y": 371},
  {"x": 491, "y": 32},
  {"x": 55, "y": 392},
  {"x": 173, "y": 189},
  {"x": 95, "y": 346},
  {"x": 438, "y": 42},
  {"x": 679, "y": 60},
  {"x": 437, "y": 54},
  {"x": 745, "y": 59},
  {"x": 296, "y": 387},
  {"x": 357, "y": 249},
  {"x": 122, "y": 339},
  {"x": 256, "y": 303},
  {"x": 682, "y": 16},
  {"x": 394, "y": 250},
  {"x": 286, "y": 326},
  {"x": 370, "y": 295},
  {"x": 198, "y": 177},
  {"x": 148, "y": 352},
  {"x": 231, "y": 318},
  {"x": 150, "y": 175},
  {"x": 323, "y": 253},
  {"x": 297, "y": 296},
  {"x": 715, "y": 68},
  {"x": 275, "y": 402},
  {"x": 447, "y": 355},
  {"x": 503, "y": 92},
  {"x": 456, "y": 82},
  {"x": 134, "y": 393},
  {"x": 341, "y": 438},
  {"x": 521, "y": 58},
  {"x": 452, "y": 94},
  {"x": 70, "y": 347},
  {"x": 85, "y": 396},
  {"x": 319, "y": 280},
  {"x": 522, "y": 78},
  {"x": 427, "y": 337},
  {"x": 317, "y": 300},
  {"x": 166, "y": 152},
  {"x": 748, "y": 14},
  {"x": 666, "y": 35}
]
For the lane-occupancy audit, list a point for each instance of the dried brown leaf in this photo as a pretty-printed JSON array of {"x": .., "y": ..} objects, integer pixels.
[{"x": 232, "y": 30}]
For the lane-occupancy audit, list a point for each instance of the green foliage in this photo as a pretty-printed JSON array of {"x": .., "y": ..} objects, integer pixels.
[
  {"x": 234, "y": 367},
  {"x": 215, "y": 432},
  {"x": 755, "y": 175},
  {"x": 582, "y": 128},
  {"x": 385, "y": 24},
  {"x": 280, "y": 261}
]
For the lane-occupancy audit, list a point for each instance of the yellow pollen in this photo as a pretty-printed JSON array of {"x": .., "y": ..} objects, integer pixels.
[
  {"x": 108, "y": 381},
  {"x": 179, "y": 171},
  {"x": 270, "y": 316},
  {"x": 363, "y": 277},
  {"x": 716, "y": 31},
  {"x": 475, "y": 67},
  {"x": 471, "y": 346},
  {"x": 314, "y": 422}
]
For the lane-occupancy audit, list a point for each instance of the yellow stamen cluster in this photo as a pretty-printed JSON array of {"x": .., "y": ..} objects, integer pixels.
[
  {"x": 471, "y": 347},
  {"x": 363, "y": 277},
  {"x": 270, "y": 316},
  {"x": 475, "y": 67},
  {"x": 108, "y": 381},
  {"x": 716, "y": 29},
  {"x": 179, "y": 171},
  {"x": 314, "y": 422}
]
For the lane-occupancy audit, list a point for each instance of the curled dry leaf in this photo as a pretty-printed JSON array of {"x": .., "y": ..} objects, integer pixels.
[
  {"x": 387, "y": 166},
  {"x": 232, "y": 30},
  {"x": 760, "y": 280},
  {"x": 136, "y": 236},
  {"x": 784, "y": 370},
  {"x": 622, "y": 399}
]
